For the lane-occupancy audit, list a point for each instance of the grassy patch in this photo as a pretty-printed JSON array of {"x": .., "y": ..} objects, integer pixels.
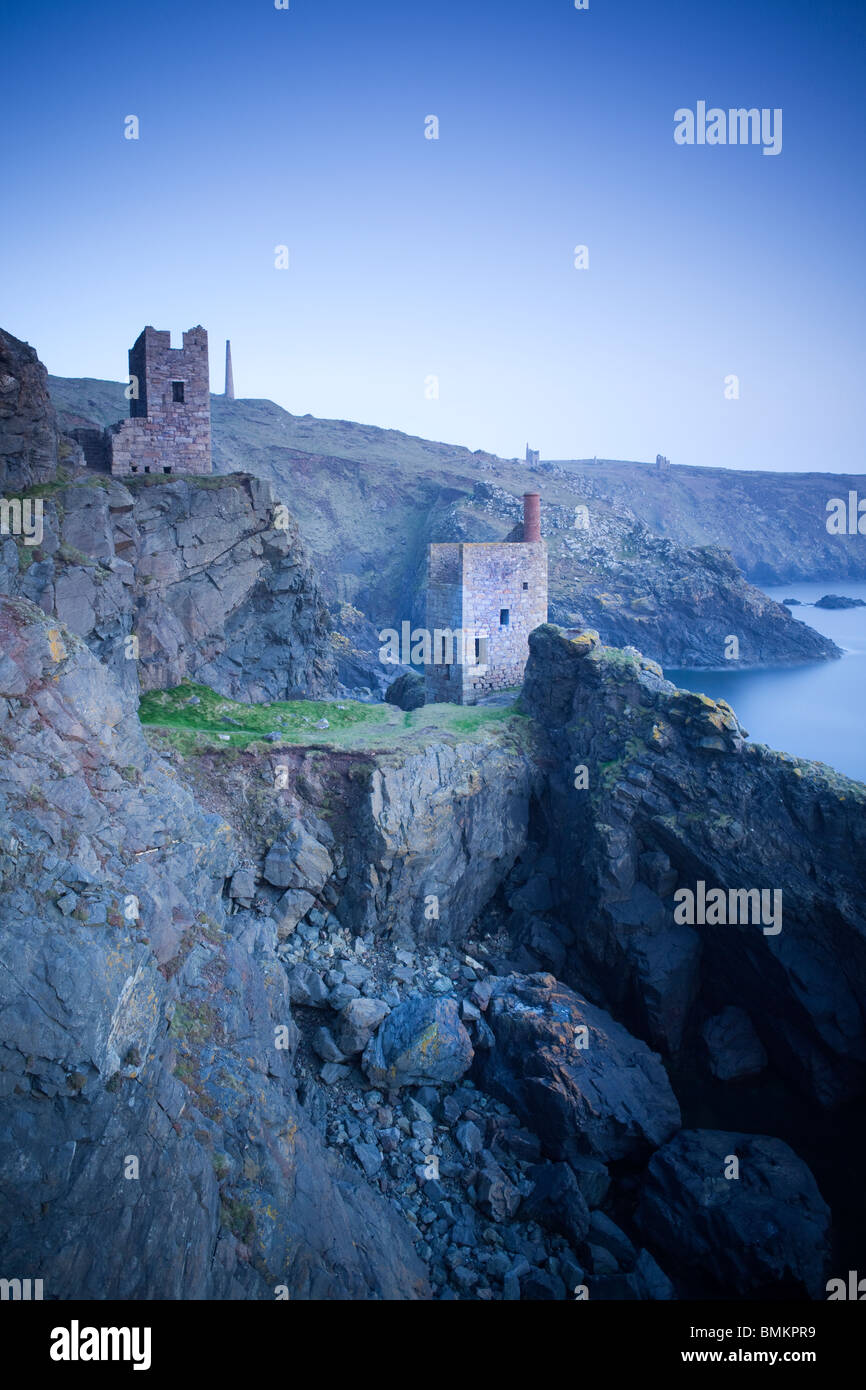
[{"x": 216, "y": 722}]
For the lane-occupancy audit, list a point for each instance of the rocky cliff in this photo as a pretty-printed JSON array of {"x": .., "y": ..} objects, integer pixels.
[
  {"x": 164, "y": 578},
  {"x": 195, "y": 569},
  {"x": 774, "y": 524},
  {"x": 152, "y": 1143},
  {"x": 346, "y": 960},
  {"x": 426, "y": 897},
  {"x": 29, "y": 434},
  {"x": 654, "y": 790}
]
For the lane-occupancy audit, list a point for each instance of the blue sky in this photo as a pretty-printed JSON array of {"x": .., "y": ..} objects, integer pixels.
[{"x": 412, "y": 258}]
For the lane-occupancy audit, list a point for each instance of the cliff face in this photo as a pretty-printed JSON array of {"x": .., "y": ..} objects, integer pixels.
[
  {"x": 441, "y": 823},
  {"x": 448, "y": 822},
  {"x": 674, "y": 796},
  {"x": 163, "y": 578},
  {"x": 28, "y": 423},
  {"x": 148, "y": 1040},
  {"x": 195, "y": 569}
]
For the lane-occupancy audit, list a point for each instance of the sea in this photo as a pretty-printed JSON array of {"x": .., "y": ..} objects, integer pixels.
[{"x": 814, "y": 710}]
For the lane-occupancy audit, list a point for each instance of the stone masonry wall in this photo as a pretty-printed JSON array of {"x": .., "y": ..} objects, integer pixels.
[
  {"x": 499, "y": 576},
  {"x": 468, "y": 587},
  {"x": 444, "y": 613},
  {"x": 164, "y": 435}
]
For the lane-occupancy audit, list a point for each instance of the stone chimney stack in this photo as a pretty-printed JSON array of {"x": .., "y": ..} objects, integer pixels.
[
  {"x": 531, "y": 516},
  {"x": 230, "y": 381}
]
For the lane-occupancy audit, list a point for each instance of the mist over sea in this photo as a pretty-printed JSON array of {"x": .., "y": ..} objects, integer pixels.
[{"x": 816, "y": 710}]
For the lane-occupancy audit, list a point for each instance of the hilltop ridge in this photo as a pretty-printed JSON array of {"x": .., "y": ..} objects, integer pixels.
[{"x": 646, "y": 569}]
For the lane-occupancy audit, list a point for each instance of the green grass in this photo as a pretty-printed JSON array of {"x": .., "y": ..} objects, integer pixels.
[{"x": 174, "y": 723}]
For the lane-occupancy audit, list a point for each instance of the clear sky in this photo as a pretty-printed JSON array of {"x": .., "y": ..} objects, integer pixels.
[{"x": 413, "y": 258}]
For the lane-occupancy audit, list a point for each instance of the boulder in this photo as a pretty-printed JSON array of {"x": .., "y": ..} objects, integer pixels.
[
  {"x": 407, "y": 691},
  {"x": 298, "y": 860},
  {"x": 288, "y": 912},
  {"x": 469, "y": 1138},
  {"x": 421, "y": 1041},
  {"x": 358, "y": 1021},
  {"x": 306, "y": 987},
  {"x": 648, "y": 1281},
  {"x": 324, "y": 1046},
  {"x": 763, "y": 1232},
  {"x": 497, "y": 1194},
  {"x": 734, "y": 1048},
  {"x": 605, "y": 1233},
  {"x": 610, "y": 1099},
  {"x": 243, "y": 887},
  {"x": 593, "y": 1179},
  {"x": 557, "y": 1202}
]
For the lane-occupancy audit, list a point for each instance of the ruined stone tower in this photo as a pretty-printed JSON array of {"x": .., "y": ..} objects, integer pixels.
[
  {"x": 492, "y": 595},
  {"x": 533, "y": 456},
  {"x": 168, "y": 430}
]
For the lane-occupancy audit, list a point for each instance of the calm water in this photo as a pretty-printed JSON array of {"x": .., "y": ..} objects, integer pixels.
[{"x": 816, "y": 710}]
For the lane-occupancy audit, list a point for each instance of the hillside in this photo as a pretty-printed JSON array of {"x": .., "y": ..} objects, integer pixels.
[
  {"x": 772, "y": 523},
  {"x": 369, "y": 501}
]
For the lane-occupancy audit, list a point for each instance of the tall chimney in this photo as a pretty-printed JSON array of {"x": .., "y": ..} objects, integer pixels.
[
  {"x": 230, "y": 381},
  {"x": 531, "y": 516}
]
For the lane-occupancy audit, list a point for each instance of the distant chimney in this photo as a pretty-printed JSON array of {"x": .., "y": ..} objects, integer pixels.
[
  {"x": 531, "y": 516},
  {"x": 230, "y": 381}
]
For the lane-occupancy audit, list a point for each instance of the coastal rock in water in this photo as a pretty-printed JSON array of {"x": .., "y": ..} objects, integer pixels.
[{"x": 839, "y": 601}]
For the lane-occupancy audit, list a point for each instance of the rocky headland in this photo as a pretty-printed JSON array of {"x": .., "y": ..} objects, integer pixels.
[{"x": 315, "y": 998}]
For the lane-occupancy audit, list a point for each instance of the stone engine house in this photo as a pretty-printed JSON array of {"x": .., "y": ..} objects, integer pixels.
[
  {"x": 494, "y": 594},
  {"x": 168, "y": 430}
]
